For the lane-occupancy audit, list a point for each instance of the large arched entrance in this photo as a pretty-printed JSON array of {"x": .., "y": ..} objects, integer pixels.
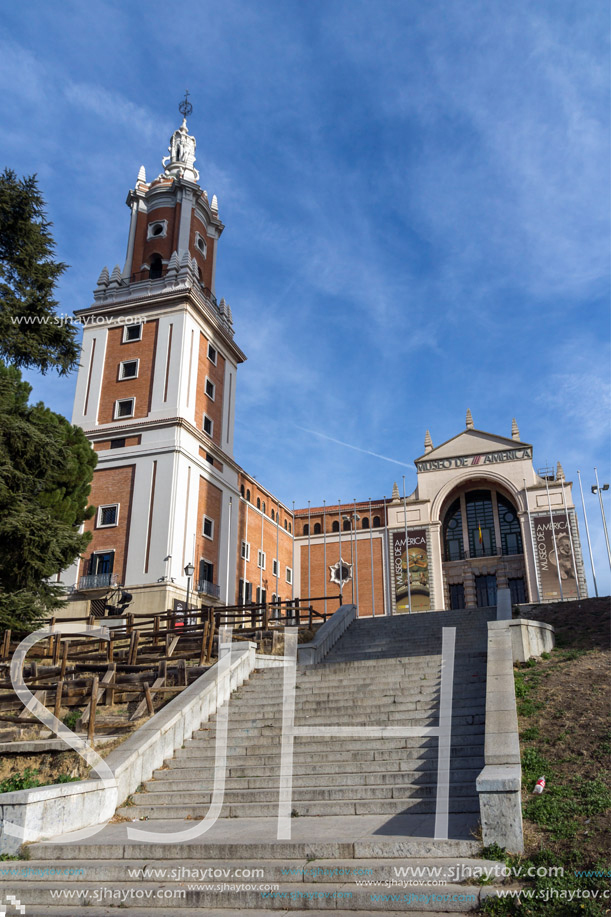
[{"x": 482, "y": 545}]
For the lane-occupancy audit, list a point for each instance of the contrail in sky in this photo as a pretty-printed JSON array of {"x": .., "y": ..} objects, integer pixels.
[{"x": 356, "y": 448}]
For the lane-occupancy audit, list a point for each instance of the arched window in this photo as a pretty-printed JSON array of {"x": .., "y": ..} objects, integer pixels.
[
  {"x": 376, "y": 522},
  {"x": 317, "y": 528},
  {"x": 156, "y": 267},
  {"x": 263, "y": 506},
  {"x": 258, "y": 502},
  {"x": 452, "y": 532},
  {"x": 346, "y": 525},
  {"x": 335, "y": 526},
  {"x": 480, "y": 523},
  {"x": 290, "y": 528},
  {"x": 306, "y": 529},
  {"x": 365, "y": 522},
  {"x": 248, "y": 495},
  {"x": 286, "y": 525},
  {"x": 273, "y": 516},
  {"x": 242, "y": 490}
]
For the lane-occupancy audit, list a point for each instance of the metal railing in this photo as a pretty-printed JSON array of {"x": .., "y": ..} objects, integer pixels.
[
  {"x": 208, "y": 588},
  {"x": 97, "y": 581}
]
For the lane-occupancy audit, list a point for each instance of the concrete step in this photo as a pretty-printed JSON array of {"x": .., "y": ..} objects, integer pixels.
[
  {"x": 305, "y": 757},
  {"x": 152, "y": 897},
  {"x": 421, "y": 805},
  {"x": 406, "y": 790},
  {"x": 263, "y": 726},
  {"x": 193, "y": 780},
  {"x": 399, "y": 760}
]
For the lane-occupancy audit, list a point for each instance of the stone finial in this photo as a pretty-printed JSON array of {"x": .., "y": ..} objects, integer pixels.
[
  {"x": 395, "y": 493},
  {"x": 103, "y": 281},
  {"x": 115, "y": 277},
  {"x": 515, "y": 433},
  {"x": 560, "y": 472},
  {"x": 214, "y": 206},
  {"x": 173, "y": 266},
  {"x": 142, "y": 174},
  {"x": 428, "y": 442},
  {"x": 469, "y": 420}
]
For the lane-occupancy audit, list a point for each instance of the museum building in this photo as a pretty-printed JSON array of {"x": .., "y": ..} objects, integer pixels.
[{"x": 177, "y": 516}]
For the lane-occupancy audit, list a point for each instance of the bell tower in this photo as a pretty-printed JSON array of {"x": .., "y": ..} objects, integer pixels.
[{"x": 155, "y": 395}]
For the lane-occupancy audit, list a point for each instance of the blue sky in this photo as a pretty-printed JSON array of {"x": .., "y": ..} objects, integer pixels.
[{"x": 416, "y": 197}]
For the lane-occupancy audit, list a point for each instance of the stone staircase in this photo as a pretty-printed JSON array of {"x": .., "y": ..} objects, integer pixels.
[{"x": 362, "y": 807}]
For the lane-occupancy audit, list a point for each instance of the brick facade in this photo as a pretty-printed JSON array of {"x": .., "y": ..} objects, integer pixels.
[
  {"x": 111, "y": 485},
  {"x": 114, "y": 388}
]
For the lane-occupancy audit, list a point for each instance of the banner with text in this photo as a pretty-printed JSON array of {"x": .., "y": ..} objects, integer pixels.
[
  {"x": 418, "y": 570},
  {"x": 550, "y": 559}
]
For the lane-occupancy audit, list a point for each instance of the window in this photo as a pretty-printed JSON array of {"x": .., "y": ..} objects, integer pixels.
[
  {"x": 208, "y": 425},
  {"x": 132, "y": 333},
  {"x": 365, "y": 522},
  {"x": 129, "y": 369},
  {"x": 261, "y": 560},
  {"x": 376, "y": 522},
  {"x": 155, "y": 267},
  {"x": 452, "y": 526},
  {"x": 263, "y": 506},
  {"x": 201, "y": 244},
  {"x": 245, "y": 550},
  {"x": 286, "y": 525},
  {"x": 317, "y": 528},
  {"x": 275, "y": 571},
  {"x": 346, "y": 525},
  {"x": 125, "y": 408},
  {"x": 210, "y": 387},
  {"x": 306, "y": 529},
  {"x": 117, "y": 443},
  {"x": 290, "y": 528},
  {"x": 248, "y": 495},
  {"x": 102, "y": 562},
  {"x": 212, "y": 354},
  {"x": 206, "y": 571},
  {"x": 457, "y": 595},
  {"x": 242, "y": 490},
  {"x": 208, "y": 528},
  {"x": 245, "y": 592},
  {"x": 108, "y": 515},
  {"x": 480, "y": 523},
  {"x": 258, "y": 503},
  {"x": 209, "y": 458},
  {"x": 485, "y": 588},
  {"x": 289, "y": 575},
  {"x": 335, "y": 526},
  {"x": 517, "y": 589},
  {"x": 157, "y": 230},
  {"x": 273, "y": 517},
  {"x": 511, "y": 536}
]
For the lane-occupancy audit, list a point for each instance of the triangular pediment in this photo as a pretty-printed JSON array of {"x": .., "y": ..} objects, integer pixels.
[{"x": 472, "y": 442}]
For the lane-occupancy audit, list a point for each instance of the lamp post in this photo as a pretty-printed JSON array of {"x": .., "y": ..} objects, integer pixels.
[
  {"x": 598, "y": 489},
  {"x": 189, "y": 571}
]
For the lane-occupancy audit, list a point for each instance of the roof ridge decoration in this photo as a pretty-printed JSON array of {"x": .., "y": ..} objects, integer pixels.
[
  {"x": 428, "y": 442},
  {"x": 515, "y": 432},
  {"x": 469, "y": 420}
]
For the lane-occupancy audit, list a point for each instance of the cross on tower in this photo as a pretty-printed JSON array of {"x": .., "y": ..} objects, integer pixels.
[{"x": 185, "y": 107}]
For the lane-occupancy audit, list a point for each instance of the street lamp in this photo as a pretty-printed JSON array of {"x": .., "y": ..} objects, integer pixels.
[
  {"x": 189, "y": 571},
  {"x": 597, "y": 489}
]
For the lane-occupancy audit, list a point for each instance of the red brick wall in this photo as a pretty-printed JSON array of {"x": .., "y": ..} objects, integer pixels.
[
  {"x": 144, "y": 248},
  {"x": 320, "y": 581},
  {"x": 209, "y": 504},
  {"x": 204, "y": 264},
  {"x": 140, "y": 388},
  {"x": 111, "y": 485}
]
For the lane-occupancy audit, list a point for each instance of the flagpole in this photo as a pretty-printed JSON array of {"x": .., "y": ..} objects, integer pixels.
[
  {"x": 293, "y": 558},
  {"x": 391, "y": 610},
  {"x": 340, "y": 568},
  {"x": 602, "y": 513},
  {"x": 324, "y": 541},
  {"x": 409, "y": 588},
  {"x": 532, "y": 542},
  {"x": 551, "y": 519},
  {"x": 373, "y": 606},
  {"x": 356, "y": 561},
  {"x": 568, "y": 523},
  {"x": 277, "y": 556},
  {"x": 309, "y": 555},
  {"x": 245, "y": 553},
  {"x": 585, "y": 519}
]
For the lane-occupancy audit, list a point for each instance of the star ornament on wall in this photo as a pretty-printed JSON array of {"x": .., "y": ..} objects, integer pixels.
[{"x": 340, "y": 576}]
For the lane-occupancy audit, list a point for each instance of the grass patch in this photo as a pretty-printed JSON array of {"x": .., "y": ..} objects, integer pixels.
[{"x": 29, "y": 779}]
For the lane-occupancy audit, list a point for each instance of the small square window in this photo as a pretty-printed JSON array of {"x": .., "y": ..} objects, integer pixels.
[
  {"x": 212, "y": 354},
  {"x": 261, "y": 560},
  {"x": 209, "y": 458},
  {"x": 208, "y": 425},
  {"x": 132, "y": 333},
  {"x": 108, "y": 515},
  {"x": 125, "y": 408},
  {"x": 129, "y": 369},
  {"x": 208, "y": 527},
  {"x": 117, "y": 444},
  {"x": 210, "y": 387},
  {"x": 274, "y": 567},
  {"x": 289, "y": 575},
  {"x": 245, "y": 550}
]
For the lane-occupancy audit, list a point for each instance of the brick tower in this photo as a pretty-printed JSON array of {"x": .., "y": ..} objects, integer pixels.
[{"x": 155, "y": 395}]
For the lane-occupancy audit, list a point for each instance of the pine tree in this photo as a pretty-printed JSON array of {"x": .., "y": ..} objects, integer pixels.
[
  {"x": 46, "y": 466},
  {"x": 31, "y": 333}
]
